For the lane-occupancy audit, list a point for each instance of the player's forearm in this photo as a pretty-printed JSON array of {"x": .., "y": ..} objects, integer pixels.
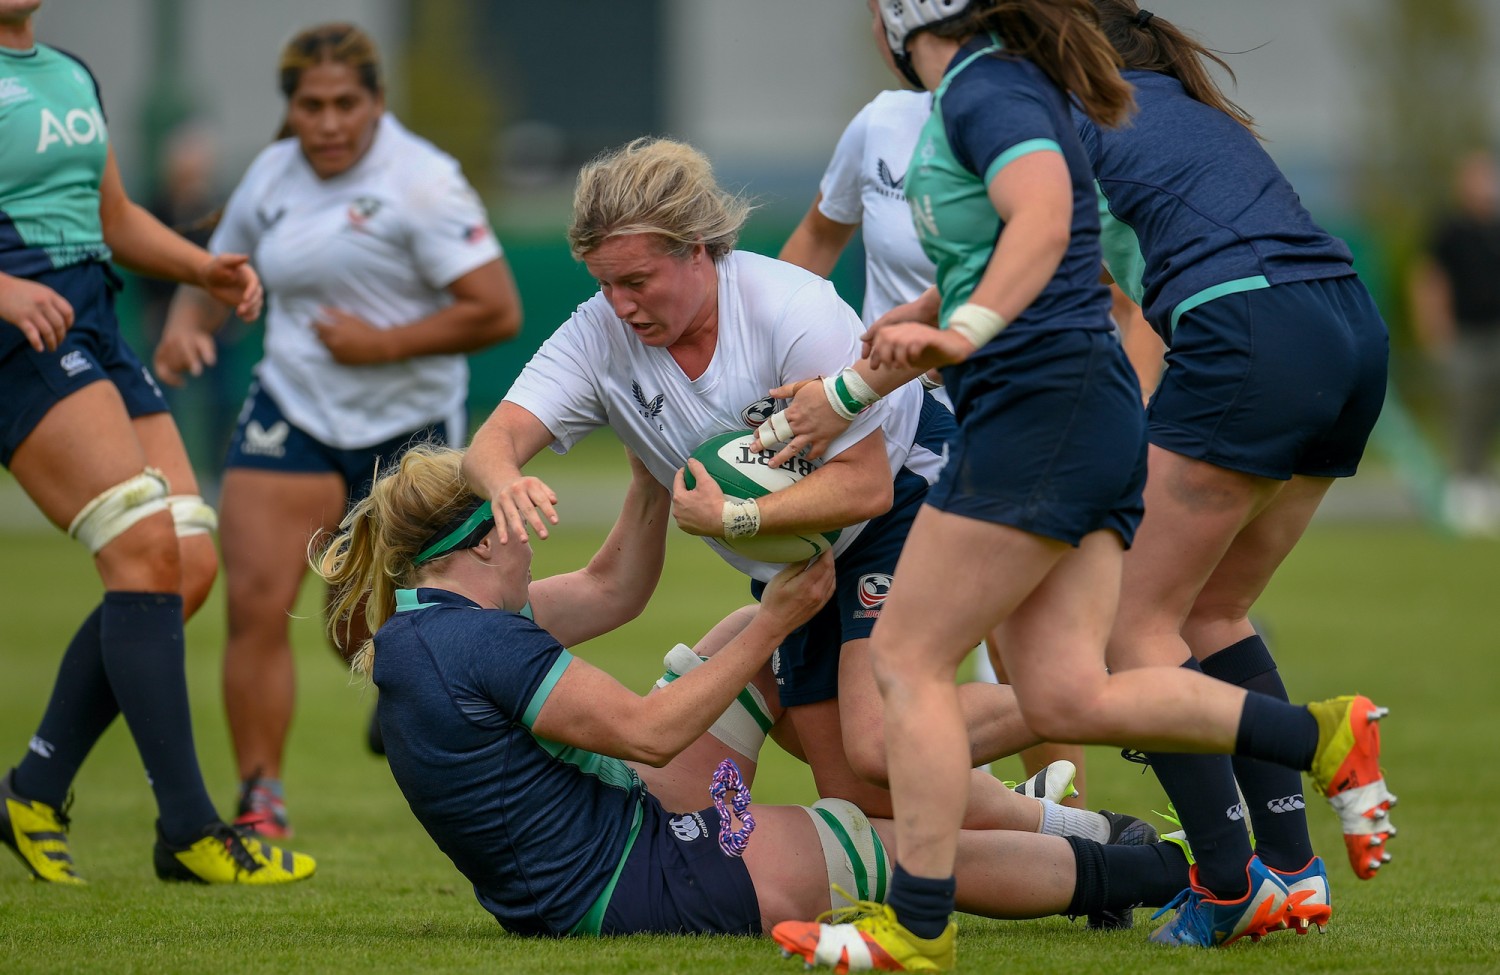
[
  {"x": 143, "y": 244},
  {"x": 834, "y": 496},
  {"x": 624, "y": 573}
]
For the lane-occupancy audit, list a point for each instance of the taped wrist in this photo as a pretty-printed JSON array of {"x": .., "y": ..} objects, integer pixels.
[
  {"x": 741, "y": 518},
  {"x": 848, "y": 393},
  {"x": 976, "y": 323}
]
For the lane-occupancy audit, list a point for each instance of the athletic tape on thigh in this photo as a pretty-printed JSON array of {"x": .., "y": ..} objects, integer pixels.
[
  {"x": 192, "y": 515},
  {"x": 851, "y": 848},
  {"x": 115, "y": 510},
  {"x": 744, "y": 724}
]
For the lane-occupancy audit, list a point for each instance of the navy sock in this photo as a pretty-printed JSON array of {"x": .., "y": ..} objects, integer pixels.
[
  {"x": 1273, "y": 793},
  {"x": 1203, "y": 792},
  {"x": 1115, "y": 878},
  {"x": 78, "y": 713},
  {"x": 922, "y": 904},
  {"x": 1276, "y": 731},
  {"x": 141, "y": 640}
]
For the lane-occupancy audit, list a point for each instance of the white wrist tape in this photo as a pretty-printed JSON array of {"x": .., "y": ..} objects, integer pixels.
[
  {"x": 774, "y": 432},
  {"x": 741, "y": 518},
  {"x": 848, "y": 393},
  {"x": 744, "y": 724},
  {"x": 117, "y": 509},
  {"x": 976, "y": 323}
]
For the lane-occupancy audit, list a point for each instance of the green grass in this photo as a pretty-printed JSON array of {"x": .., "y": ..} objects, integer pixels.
[{"x": 1386, "y": 609}]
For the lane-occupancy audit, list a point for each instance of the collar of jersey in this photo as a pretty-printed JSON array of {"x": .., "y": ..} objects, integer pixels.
[
  {"x": 425, "y": 597},
  {"x": 12, "y": 52}
]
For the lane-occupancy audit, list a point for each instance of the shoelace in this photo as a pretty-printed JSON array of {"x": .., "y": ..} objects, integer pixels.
[
  {"x": 851, "y": 912},
  {"x": 1136, "y": 757},
  {"x": 1188, "y": 916},
  {"x": 236, "y": 845}
]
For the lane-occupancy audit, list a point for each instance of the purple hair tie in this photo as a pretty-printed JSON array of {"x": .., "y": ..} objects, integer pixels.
[{"x": 727, "y": 778}]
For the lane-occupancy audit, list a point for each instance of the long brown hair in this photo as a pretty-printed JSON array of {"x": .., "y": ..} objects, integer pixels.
[
  {"x": 1146, "y": 42},
  {"x": 1062, "y": 38}
]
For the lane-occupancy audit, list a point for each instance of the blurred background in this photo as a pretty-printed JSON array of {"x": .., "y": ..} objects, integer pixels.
[{"x": 1366, "y": 104}]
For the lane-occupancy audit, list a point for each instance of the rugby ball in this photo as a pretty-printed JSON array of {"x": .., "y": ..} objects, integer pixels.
[{"x": 744, "y": 472}]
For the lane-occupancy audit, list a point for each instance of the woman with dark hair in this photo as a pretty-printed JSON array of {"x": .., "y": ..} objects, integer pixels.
[
  {"x": 87, "y": 435},
  {"x": 1027, "y": 525},
  {"x": 1277, "y": 372},
  {"x": 382, "y": 273}
]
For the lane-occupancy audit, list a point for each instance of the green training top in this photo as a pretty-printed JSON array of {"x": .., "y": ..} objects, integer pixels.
[{"x": 53, "y": 146}]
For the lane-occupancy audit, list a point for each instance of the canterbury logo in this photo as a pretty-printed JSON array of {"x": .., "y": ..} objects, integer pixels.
[
  {"x": 41, "y": 746},
  {"x": 1286, "y": 804},
  {"x": 686, "y": 828},
  {"x": 74, "y": 362},
  {"x": 650, "y": 409},
  {"x": 1236, "y": 812},
  {"x": 267, "y": 443}
]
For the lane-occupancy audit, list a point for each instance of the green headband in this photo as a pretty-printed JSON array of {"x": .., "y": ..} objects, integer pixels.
[{"x": 477, "y": 522}]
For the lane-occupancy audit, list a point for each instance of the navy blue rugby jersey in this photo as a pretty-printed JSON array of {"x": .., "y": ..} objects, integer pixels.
[
  {"x": 1194, "y": 208},
  {"x": 990, "y": 110},
  {"x": 538, "y": 828}
]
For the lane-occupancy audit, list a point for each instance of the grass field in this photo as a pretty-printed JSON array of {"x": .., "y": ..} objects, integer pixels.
[{"x": 1383, "y": 608}]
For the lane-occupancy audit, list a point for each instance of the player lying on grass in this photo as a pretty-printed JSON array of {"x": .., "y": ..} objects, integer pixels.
[{"x": 535, "y": 772}]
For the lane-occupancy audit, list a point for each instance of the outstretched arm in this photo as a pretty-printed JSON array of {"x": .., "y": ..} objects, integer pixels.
[
  {"x": 618, "y": 581},
  {"x": 145, "y": 245},
  {"x": 492, "y": 465},
  {"x": 591, "y": 710}
]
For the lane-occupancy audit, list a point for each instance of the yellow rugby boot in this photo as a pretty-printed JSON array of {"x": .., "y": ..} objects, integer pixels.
[
  {"x": 227, "y": 854},
  {"x": 38, "y": 833}
]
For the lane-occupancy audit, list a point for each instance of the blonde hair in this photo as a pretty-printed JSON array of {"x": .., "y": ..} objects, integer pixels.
[
  {"x": 338, "y": 43},
  {"x": 373, "y": 552},
  {"x": 655, "y": 186}
]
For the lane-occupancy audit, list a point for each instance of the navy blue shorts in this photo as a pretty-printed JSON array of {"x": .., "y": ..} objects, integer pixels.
[
  {"x": 33, "y": 382},
  {"x": 1051, "y": 437},
  {"x": 807, "y": 663},
  {"x": 265, "y": 440},
  {"x": 677, "y": 880},
  {"x": 1274, "y": 382}
]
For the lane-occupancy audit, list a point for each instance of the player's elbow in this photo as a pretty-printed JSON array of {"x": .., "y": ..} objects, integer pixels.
[{"x": 874, "y": 500}]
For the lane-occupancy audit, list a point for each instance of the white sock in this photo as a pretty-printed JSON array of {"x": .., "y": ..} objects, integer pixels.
[{"x": 1060, "y": 820}]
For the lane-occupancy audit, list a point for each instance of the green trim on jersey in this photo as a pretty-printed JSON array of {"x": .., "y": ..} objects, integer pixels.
[
  {"x": 1016, "y": 152},
  {"x": 593, "y": 919},
  {"x": 53, "y": 148},
  {"x": 1122, "y": 249},
  {"x": 1217, "y": 291},
  {"x": 545, "y": 689},
  {"x": 407, "y": 601}
]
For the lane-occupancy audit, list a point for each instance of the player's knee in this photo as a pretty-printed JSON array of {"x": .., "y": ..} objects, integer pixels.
[
  {"x": 200, "y": 567},
  {"x": 1058, "y": 713},
  {"x": 853, "y": 853},
  {"x": 134, "y": 545}
]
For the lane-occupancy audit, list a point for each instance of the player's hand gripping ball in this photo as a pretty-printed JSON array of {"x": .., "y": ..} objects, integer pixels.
[{"x": 742, "y": 472}]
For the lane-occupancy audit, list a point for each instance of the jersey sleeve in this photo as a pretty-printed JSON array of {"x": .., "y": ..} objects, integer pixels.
[
  {"x": 822, "y": 337},
  {"x": 560, "y": 387},
  {"x": 240, "y": 226},
  {"x": 840, "y": 186},
  {"x": 450, "y": 233},
  {"x": 996, "y": 120},
  {"x": 515, "y": 666}
]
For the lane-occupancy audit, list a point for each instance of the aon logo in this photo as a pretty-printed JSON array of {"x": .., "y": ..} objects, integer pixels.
[{"x": 78, "y": 127}]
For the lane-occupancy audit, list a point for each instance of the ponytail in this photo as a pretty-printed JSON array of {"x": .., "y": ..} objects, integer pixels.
[
  {"x": 1146, "y": 42},
  {"x": 1062, "y": 38}
]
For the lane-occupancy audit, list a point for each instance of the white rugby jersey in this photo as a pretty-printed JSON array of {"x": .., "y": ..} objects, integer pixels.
[
  {"x": 865, "y": 185},
  {"x": 777, "y": 323},
  {"x": 381, "y": 241}
]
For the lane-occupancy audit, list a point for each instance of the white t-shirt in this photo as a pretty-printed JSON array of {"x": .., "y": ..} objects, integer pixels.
[
  {"x": 865, "y": 185},
  {"x": 381, "y": 241},
  {"x": 777, "y": 323}
]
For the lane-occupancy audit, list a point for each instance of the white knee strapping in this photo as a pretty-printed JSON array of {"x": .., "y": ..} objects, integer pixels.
[
  {"x": 851, "y": 848},
  {"x": 192, "y": 515},
  {"x": 744, "y": 724},
  {"x": 114, "y": 511}
]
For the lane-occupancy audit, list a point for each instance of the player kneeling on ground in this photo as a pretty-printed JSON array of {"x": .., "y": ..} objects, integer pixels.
[{"x": 530, "y": 768}]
